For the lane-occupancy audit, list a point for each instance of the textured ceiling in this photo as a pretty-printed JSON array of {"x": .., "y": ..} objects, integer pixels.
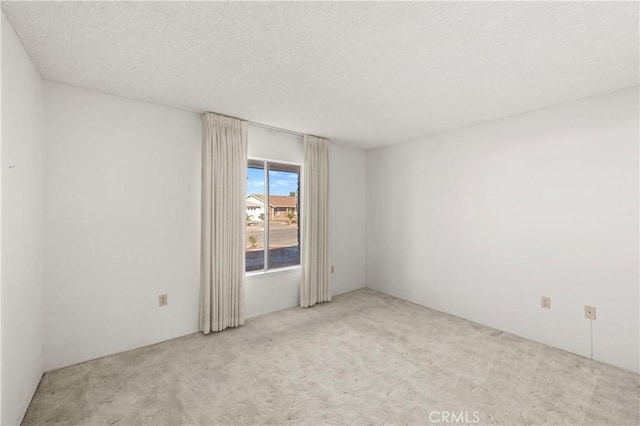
[{"x": 363, "y": 74}]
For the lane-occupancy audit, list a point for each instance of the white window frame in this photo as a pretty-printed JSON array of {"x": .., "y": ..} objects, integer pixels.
[{"x": 265, "y": 162}]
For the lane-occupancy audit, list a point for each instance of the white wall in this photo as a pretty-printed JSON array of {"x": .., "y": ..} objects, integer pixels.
[
  {"x": 347, "y": 218},
  {"x": 483, "y": 221},
  {"x": 22, "y": 228},
  {"x": 122, "y": 224},
  {"x": 275, "y": 290}
]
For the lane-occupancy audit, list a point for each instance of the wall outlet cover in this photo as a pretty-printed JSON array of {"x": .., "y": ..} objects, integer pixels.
[
  {"x": 590, "y": 312},
  {"x": 545, "y": 302}
]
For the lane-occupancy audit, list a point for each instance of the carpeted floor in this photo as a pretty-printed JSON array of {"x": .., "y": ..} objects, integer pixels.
[{"x": 365, "y": 358}]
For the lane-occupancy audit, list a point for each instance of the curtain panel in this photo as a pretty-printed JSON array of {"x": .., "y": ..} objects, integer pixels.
[
  {"x": 315, "y": 286},
  {"x": 224, "y": 180}
]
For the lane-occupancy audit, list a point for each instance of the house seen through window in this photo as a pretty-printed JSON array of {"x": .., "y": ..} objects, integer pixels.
[{"x": 273, "y": 215}]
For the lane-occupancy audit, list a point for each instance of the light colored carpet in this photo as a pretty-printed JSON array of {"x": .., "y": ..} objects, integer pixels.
[{"x": 365, "y": 358}]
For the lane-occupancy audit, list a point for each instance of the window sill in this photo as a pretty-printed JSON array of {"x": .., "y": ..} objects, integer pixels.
[{"x": 273, "y": 271}]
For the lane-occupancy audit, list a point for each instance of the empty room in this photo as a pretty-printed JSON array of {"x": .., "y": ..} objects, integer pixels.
[{"x": 305, "y": 213}]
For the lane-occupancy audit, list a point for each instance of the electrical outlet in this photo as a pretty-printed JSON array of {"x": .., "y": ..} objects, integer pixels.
[
  {"x": 590, "y": 312},
  {"x": 545, "y": 302},
  {"x": 163, "y": 300}
]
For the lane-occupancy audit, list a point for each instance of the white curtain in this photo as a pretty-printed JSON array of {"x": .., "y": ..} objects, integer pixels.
[
  {"x": 315, "y": 222},
  {"x": 224, "y": 180}
]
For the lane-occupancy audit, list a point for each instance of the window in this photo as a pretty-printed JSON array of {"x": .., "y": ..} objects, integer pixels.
[{"x": 273, "y": 215}]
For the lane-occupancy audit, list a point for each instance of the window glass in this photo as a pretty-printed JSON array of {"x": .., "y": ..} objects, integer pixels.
[
  {"x": 273, "y": 215},
  {"x": 284, "y": 236},
  {"x": 255, "y": 219}
]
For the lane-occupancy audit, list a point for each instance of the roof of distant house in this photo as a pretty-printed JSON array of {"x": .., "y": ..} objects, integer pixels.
[{"x": 277, "y": 200}]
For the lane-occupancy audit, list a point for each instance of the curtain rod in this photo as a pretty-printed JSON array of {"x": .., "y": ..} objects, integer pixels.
[
  {"x": 277, "y": 129},
  {"x": 274, "y": 128}
]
